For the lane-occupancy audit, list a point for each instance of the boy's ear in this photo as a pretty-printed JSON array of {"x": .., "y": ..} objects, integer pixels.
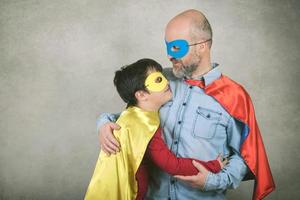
[{"x": 141, "y": 95}]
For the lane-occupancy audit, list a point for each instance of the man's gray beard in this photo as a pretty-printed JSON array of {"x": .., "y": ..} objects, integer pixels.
[{"x": 185, "y": 71}]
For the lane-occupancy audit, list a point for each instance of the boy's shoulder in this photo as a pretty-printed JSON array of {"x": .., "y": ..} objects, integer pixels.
[
  {"x": 128, "y": 119},
  {"x": 134, "y": 117}
]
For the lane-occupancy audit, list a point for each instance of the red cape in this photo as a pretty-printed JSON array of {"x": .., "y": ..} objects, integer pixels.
[{"x": 236, "y": 101}]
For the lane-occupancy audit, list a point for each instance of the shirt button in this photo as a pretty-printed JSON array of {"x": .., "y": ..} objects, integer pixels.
[
  {"x": 175, "y": 142},
  {"x": 208, "y": 116},
  {"x": 179, "y": 122},
  {"x": 191, "y": 87},
  {"x": 184, "y": 104},
  {"x": 172, "y": 182}
]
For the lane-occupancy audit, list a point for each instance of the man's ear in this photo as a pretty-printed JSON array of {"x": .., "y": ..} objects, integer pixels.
[
  {"x": 202, "y": 48},
  {"x": 141, "y": 95}
]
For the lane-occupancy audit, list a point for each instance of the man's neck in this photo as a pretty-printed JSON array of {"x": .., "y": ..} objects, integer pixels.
[
  {"x": 201, "y": 70},
  {"x": 204, "y": 66}
]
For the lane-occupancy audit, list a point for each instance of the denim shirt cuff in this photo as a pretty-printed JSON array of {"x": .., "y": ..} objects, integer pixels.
[
  {"x": 211, "y": 182},
  {"x": 104, "y": 118}
]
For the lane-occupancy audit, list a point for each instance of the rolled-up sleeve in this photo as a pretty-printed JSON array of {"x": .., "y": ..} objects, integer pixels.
[{"x": 104, "y": 118}]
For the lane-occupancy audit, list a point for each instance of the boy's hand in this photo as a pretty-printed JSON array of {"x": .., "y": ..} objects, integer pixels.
[
  {"x": 107, "y": 140},
  {"x": 222, "y": 161}
]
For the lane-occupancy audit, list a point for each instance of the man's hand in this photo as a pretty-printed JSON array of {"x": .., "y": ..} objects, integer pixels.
[
  {"x": 107, "y": 140},
  {"x": 197, "y": 181}
]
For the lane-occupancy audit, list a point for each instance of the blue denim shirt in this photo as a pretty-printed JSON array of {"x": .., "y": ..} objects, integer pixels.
[{"x": 195, "y": 125}]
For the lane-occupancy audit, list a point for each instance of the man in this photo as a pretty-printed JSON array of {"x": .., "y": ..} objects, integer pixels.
[{"x": 209, "y": 115}]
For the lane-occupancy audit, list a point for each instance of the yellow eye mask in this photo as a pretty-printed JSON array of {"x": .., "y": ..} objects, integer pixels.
[{"x": 156, "y": 82}]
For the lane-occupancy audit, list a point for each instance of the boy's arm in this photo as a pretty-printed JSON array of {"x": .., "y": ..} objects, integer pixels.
[
  {"x": 160, "y": 154},
  {"x": 105, "y": 126}
]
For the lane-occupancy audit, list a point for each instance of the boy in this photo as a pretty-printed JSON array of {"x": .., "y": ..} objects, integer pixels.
[{"x": 124, "y": 175}]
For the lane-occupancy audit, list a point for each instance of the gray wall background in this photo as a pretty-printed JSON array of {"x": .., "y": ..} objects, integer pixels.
[{"x": 57, "y": 62}]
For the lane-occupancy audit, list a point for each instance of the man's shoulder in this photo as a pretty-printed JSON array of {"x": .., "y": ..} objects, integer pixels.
[
  {"x": 232, "y": 96},
  {"x": 232, "y": 87}
]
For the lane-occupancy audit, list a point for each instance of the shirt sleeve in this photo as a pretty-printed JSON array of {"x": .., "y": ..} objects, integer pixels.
[
  {"x": 160, "y": 154},
  {"x": 106, "y": 117},
  {"x": 233, "y": 173}
]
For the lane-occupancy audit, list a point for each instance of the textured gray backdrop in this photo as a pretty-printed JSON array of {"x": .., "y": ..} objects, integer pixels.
[{"x": 57, "y": 62}]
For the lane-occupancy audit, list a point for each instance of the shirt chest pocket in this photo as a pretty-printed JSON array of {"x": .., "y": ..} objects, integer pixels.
[{"x": 205, "y": 123}]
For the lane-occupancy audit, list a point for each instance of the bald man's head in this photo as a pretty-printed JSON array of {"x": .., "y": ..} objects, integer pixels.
[{"x": 192, "y": 24}]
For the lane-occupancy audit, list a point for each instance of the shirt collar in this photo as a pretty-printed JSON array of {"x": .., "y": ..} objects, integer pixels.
[{"x": 212, "y": 75}]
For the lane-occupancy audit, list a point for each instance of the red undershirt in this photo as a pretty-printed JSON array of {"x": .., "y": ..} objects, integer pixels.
[{"x": 159, "y": 153}]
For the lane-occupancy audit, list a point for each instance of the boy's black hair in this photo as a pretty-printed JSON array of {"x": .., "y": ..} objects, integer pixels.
[{"x": 131, "y": 78}]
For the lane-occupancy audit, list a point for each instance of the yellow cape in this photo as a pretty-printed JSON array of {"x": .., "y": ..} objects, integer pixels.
[{"x": 114, "y": 176}]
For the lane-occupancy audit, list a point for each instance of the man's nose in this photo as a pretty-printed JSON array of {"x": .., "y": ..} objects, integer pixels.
[{"x": 170, "y": 58}]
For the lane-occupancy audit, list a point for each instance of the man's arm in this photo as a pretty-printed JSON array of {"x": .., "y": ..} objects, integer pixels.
[
  {"x": 105, "y": 126},
  {"x": 231, "y": 175},
  {"x": 105, "y": 118}
]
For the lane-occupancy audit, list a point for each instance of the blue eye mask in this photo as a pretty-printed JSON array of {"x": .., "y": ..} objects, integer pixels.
[{"x": 177, "y": 48}]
